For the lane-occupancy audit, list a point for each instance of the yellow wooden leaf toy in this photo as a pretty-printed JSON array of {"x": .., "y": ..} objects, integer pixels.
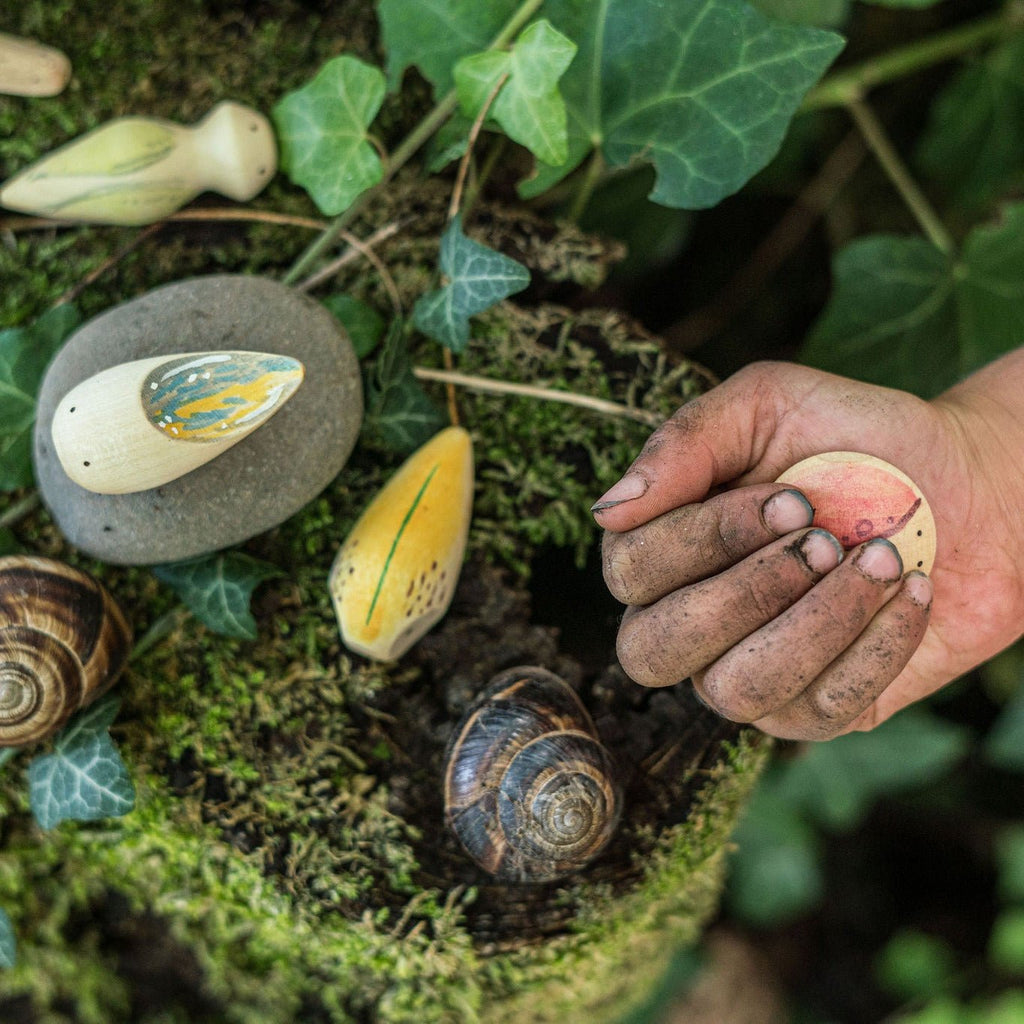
[
  {"x": 136, "y": 170},
  {"x": 141, "y": 424},
  {"x": 395, "y": 575}
]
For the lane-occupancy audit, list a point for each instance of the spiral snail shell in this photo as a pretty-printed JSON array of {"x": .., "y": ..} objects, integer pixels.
[
  {"x": 529, "y": 790},
  {"x": 63, "y": 642}
]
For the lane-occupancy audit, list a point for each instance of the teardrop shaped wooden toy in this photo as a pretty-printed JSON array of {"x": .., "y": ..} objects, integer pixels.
[
  {"x": 136, "y": 170},
  {"x": 857, "y": 497},
  {"x": 28, "y": 68},
  {"x": 141, "y": 424},
  {"x": 395, "y": 575}
]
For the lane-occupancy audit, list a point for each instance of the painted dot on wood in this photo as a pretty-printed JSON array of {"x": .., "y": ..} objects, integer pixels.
[{"x": 857, "y": 497}]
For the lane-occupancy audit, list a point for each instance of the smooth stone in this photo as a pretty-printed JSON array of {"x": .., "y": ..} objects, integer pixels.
[{"x": 260, "y": 482}]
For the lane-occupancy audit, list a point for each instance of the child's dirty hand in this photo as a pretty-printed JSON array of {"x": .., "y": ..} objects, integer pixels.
[{"x": 728, "y": 584}]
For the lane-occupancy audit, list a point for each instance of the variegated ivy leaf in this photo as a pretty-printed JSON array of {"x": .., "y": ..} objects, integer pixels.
[
  {"x": 217, "y": 589},
  {"x": 322, "y": 131},
  {"x": 528, "y": 106},
  {"x": 8, "y": 944},
  {"x": 84, "y": 778},
  {"x": 477, "y": 278}
]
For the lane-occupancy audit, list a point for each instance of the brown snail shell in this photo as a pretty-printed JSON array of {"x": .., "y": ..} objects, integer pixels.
[
  {"x": 529, "y": 790},
  {"x": 63, "y": 642}
]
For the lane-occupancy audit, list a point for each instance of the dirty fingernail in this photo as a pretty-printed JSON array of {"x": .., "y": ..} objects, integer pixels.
[
  {"x": 787, "y": 511},
  {"x": 820, "y": 550},
  {"x": 918, "y": 588},
  {"x": 631, "y": 486},
  {"x": 879, "y": 560}
]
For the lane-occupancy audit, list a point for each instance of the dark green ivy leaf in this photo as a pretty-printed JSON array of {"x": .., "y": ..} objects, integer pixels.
[
  {"x": 363, "y": 324},
  {"x": 835, "y": 783},
  {"x": 24, "y": 355},
  {"x": 477, "y": 278},
  {"x": 322, "y": 132},
  {"x": 217, "y": 589},
  {"x": 905, "y": 315},
  {"x": 400, "y": 417},
  {"x": 974, "y": 141},
  {"x": 704, "y": 89},
  {"x": 84, "y": 778}
]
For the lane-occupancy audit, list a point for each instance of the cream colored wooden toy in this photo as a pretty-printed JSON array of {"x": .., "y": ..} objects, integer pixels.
[
  {"x": 857, "y": 497},
  {"x": 28, "y": 68},
  {"x": 136, "y": 170},
  {"x": 142, "y": 424},
  {"x": 395, "y": 575}
]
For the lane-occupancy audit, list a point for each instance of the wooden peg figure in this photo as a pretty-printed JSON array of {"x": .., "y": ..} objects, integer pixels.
[
  {"x": 28, "y": 68},
  {"x": 137, "y": 170}
]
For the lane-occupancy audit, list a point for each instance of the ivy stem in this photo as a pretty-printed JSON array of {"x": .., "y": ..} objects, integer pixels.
[
  {"x": 444, "y": 109},
  {"x": 896, "y": 170},
  {"x": 585, "y": 189},
  {"x": 19, "y": 510},
  {"x": 162, "y": 627},
  {"x": 7, "y": 753},
  {"x": 849, "y": 85}
]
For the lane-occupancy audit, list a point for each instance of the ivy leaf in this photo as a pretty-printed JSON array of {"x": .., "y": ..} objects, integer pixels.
[
  {"x": 528, "y": 106},
  {"x": 435, "y": 34},
  {"x": 24, "y": 355},
  {"x": 400, "y": 416},
  {"x": 322, "y": 131},
  {"x": 823, "y": 13},
  {"x": 8, "y": 943},
  {"x": 905, "y": 315},
  {"x": 217, "y": 589},
  {"x": 974, "y": 141},
  {"x": 775, "y": 872},
  {"x": 84, "y": 778},
  {"x": 704, "y": 89},
  {"x": 363, "y": 324},
  {"x": 835, "y": 783},
  {"x": 478, "y": 278}
]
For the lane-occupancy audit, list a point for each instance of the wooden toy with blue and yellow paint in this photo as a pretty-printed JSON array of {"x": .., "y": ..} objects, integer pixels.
[{"x": 142, "y": 424}]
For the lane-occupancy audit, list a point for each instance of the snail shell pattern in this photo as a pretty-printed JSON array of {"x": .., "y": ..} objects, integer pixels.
[
  {"x": 529, "y": 789},
  {"x": 63, "y": 642}
]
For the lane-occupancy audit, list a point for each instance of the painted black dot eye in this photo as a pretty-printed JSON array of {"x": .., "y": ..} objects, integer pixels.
[
  {"x": 919, "y": 564},
  {"x": 86, "y": 463},
  {"x": 72, "y": 409},
  {"x": 920, "y": 532}
]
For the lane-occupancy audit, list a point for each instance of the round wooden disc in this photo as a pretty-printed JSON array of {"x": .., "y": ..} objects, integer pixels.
[{"x": 857, "y": 497}]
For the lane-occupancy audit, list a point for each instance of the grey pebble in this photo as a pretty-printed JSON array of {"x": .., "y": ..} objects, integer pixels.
[{"x": 252, "y": 487}]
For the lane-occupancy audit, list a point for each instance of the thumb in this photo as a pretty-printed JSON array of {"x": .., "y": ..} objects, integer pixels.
[{"x": 709, "y": 441}]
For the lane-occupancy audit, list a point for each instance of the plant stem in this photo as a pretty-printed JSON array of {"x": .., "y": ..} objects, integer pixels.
[
  {"x": 162, "y": 627},
  {"x": 585, "y": 188},
  {"x": 877, "y": 139},
  {"x": 7, "y": 753},
  {"x": 444, "y": 108},
  {"x": 19, "y": 510},
  {"x": 503, "y": 387},
  {"x": 843, "y": 87}
]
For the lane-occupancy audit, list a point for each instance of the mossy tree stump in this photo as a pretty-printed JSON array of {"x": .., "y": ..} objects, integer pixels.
[{"x": 287, "y": 859}]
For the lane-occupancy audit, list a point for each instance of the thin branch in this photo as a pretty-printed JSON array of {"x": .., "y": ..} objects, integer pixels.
[
  {"x": 896, "y": 170},
  {"x": 851, "y": 84},
  {"x": 502, "y": 387},
  {"x": 72, "y": 293},
  {"x": 19, "y": 510},
  {"x": 199, "y": 213},
  {"x": 351, "y": 254},
  {"x": 474, "y": 132}
]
